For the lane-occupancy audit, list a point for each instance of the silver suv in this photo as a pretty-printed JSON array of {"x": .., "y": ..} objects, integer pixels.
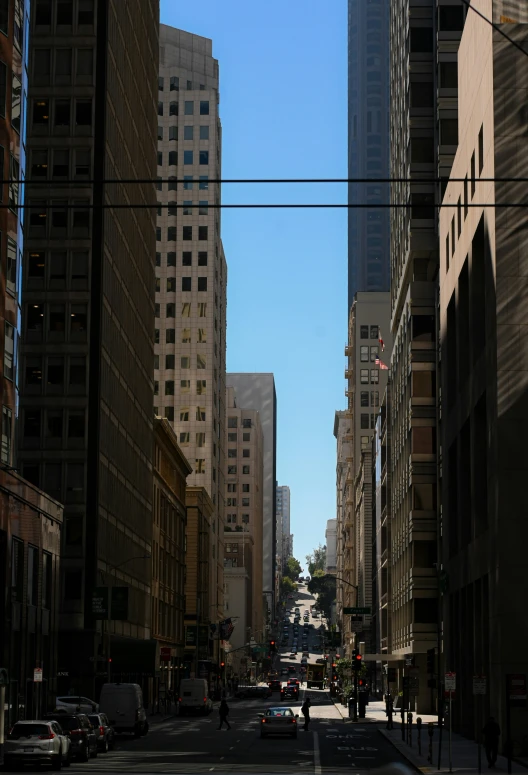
[{"x": 37, "y": 742}]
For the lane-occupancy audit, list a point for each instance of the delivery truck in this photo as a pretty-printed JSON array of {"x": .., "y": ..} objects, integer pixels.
[{"x": 315, "y": 676}]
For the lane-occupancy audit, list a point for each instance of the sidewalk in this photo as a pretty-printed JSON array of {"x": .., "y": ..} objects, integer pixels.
[
  {"x": 464, "y": 752},
  {"x": 375, "y": 712}
]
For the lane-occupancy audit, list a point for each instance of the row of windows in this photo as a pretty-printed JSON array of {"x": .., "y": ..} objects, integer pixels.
[
  {"x": 64, "y": 216},
  {"x": 185, "y": 411},
  {"x": 233, "y": 487},
  {"x": 16, "y": 96},
  {"x": 188, "y": 108},
  {"x": 187, "y": 233},
  {"x": 233, "y": 453},
  {"x": 57, "y": 269},
  {"x": 364, "y": 420},
  {"x": 64, "y": 109},
  {"x": 188, "y": 180},
  {"x": 186, "y": 258},
  {"x": 364, "y": 376},
  {"x": 233, "y": 502},
  {"x": 232, "y": 470},
  {"x": 233, "y": 437},
  {"x": 64, "y": 13},
  {"x": 186, "y": 285},
  {"x": 170, "y": 311},
  {"x": 477, "y": 157},
  {"x": 374, "y": 398},
  {"x": 364, "y": 332},
  {"x": 232, "y": 519},
  {"x": 367, "y": 353},
  {"x": 232, "y": 422},
  {"x": 185, "y": 363},
  {"x": 61, "y": 62},
  {"x": 61, "y": 165},
  {"x": 53, "y": 423},
  {"x": 188, "y": 156},
  {"x": 174, "y": 84},
  {"x": 55, "y": 371},
  {"x": 31, "y": 584},
  {"x": 201, "y": 338},
  {"x": 58, "y": 319}
]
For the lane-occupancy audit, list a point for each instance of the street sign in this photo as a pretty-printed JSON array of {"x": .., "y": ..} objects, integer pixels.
[
  {"x": 37, "y": 675},
  {"x": 479, "y": 684},
  {"x": 517, "y": 689},
  {"x": 450, "y": 682},
  {"x": 100, "y": 603},
  {"x": 355, "y": 610}
]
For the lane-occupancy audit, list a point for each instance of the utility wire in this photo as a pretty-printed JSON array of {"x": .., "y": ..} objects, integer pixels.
[
  {"x": 256, "y": 206},
  {"x": 495, "y": 26},
  {"x": 257, "y": 181}
]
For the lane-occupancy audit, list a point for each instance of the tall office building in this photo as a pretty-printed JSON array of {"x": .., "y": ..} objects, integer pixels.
[
  {"x": 283, "y": 522},
  {"x": 368, "y": 145},
  {"x": 88, "y": 309},
  {"x": 257, "y": 391},
  {"x": 345, "y": 539},
  {"x": 484, "y": 373},
  {"x": 424, "y": 137},
  {"x": 191, "y": 274}
]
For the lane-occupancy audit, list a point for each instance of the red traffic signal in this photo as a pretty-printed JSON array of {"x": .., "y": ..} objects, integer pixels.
[
  {"x": 356, "y": 661},
  {"x": 222, "y": 665}
]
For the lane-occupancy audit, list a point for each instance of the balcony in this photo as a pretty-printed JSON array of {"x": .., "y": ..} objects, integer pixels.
[
  {"x": 348, "y": 373},
  {"x": 348, "y": 350}
]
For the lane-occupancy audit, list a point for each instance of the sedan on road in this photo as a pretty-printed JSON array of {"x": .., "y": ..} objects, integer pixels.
[{"x": 278, "y": 721}]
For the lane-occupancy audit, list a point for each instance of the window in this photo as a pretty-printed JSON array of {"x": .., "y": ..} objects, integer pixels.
[
  {"x": 86, "y": 13},
  {"x": 245, "y": 470},
  {"x": 185, "y": 386},
  {"x": 231, "y": 453},
  {"x": 170, "y": 336},
  {"x": 9, "y": 351},
  {"x": 374, "y": 398},
  {"x": 449, "y": 131},
  {"x": 232, "y": 422},
  {"x": 204, "y": 107},
  {"x": 204, "y": 157},
  {"x": 77, "y": 371},
  {"x": 186, "y": 310},
  {"x": 481, "y": 149},
  {"x": 421, "y": 40},
  {"x": 201, "y": 335},
  {"x": 202, "y": 309},
  {"x": 246, "y": 437},
  {"x": 200, "y": 439},
  {"x": 203, "y": 232},
  {"x": 63, "y": 63},
  {"x": 189, "y": 108},
  {"x": 450, "y": 18},
  {"x": 245, "y": 453},
  {"x": 171, "y": 284},
  {"x": 187, "y": 233},
  {"x": 184, "y": 438},
  {"x": 83, "y": 112},
  {"x": 204, "y": 133},
  {"x": 374, "y": 376},
  {"x": 156, "y": 336},
  {"x": 160, "y": 108},
  {"x": 200, "y": 361},
  {"x": 188, "y": 157},
  {"x": 169, "y": 387},
  {"x": 204, "y": 183},
  {"x": 473, "y": 176},
  {"x": 200, "y": 466},
  {"x": 203, "y": 208},
  {"x": 466, "y": 208},
  {"x": 365, "y": 421},
  {"x": 41, "y": 112},
  {"x": 173, "y": 133},
  {"x": 187, "y": 183},
  {"x": 185, "y": 362},
  {"x": 202, "y": 283},
  {"x": 11, "y": 268},
  {"x": 62, "y": 113},
  {"x": 374, "y": 352},
  {"x": 7, "y": 434},
  {"x": 188, "y": 132},
  {"x": 364, "y": 398},
  {"x": 186, "y": 335},
  {"x": 186, "y": 284},
  {"x": 363, "y": 332},
  {"x": 184, "y": 414},
  {"x": 16, "y": 91},
  {"x": 422, "y": 150},
  {"x": 201, "y": 387},
  {"x": 160, "y": 133},
  {"x": 364, "y": 352},
  {"x": 421, "y": 94},
  {"x": 32, "y": 575},
  {"x": 232, "y": 437},
  {"x": 448, "y": 75},
  {"x": 174, "y": 83},
  {"x": 173, "y": 158},
  {"x": 231, "y": 470},
  {"x": 187, "y": 207},
  {"x": 202, "y": 258}
]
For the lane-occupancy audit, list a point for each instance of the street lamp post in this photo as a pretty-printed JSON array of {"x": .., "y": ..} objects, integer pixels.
[{"x": 109, "y": 619}]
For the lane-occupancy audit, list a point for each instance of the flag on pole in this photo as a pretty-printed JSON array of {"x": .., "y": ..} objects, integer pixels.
[
  {"x": 226, "y": 629},
  {"x": 380, "y": 339},
  {"x": 379, "y": 362}
]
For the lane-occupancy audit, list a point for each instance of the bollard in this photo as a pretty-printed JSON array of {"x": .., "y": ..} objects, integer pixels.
[
  {"x": 409, "y": 726},
  {"x": 430, "y": 732},
  {"x": 419, "y": 729}
]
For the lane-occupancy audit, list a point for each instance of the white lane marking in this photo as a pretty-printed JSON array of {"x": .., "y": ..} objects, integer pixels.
[{"x": 317, "y": 755}]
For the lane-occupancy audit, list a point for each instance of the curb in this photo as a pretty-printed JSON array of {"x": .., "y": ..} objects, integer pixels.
[{"x": 407, "y": 753}]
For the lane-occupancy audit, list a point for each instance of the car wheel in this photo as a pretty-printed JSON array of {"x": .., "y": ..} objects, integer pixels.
[
  {"x": 85, "y": 756},
  {"x": 57, "y": 762},
  {"x": 137, "y": 732},
  {"x": 93, "y": 754},
  {"x": 104, "y": 748},
  {"x": 67, "y": 760},
  {"x": 146, "y": 728}
]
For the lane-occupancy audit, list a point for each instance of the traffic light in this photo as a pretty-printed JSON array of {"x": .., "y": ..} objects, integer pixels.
[
  {"x": 356, "y": 660},
  {"x": 272, "y": 645},
  {"x": 222, "y": 665},
  {"x": 334, "y": 664}
]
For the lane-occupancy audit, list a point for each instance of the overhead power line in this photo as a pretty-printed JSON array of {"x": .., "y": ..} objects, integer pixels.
[
  {"x": 495, "y": 26},
  {"x": 257, "y": 181},
  {"x": 255, "y": 206}
]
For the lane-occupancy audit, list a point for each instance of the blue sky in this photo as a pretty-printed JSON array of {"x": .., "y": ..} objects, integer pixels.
[{"x": 283, "y": 106}]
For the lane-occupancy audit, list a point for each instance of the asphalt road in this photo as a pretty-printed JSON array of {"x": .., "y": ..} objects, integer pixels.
[{"x": 195, "y": 745}]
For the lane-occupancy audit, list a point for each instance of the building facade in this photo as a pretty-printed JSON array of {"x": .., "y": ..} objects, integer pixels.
[
  {"x": 368, "y": 145},
  {"x": 257, "y": 392},
  {"x": 345, "y": 536},
  {"x": 424, "y": 137},
  {"x": 88, "y": 290},
  {"x": 30, "y": 544},
  {"x": 484, "y": 376},
  {"x": 169, "y": 522},
  {"x": 14, "y": 24},
  {"x": 244, "y": 517},
  {"x": 191, "y": 273},
  {"x": 282, "y": 511}
]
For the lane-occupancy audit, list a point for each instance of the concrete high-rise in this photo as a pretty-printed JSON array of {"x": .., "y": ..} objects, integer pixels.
[
  {"x": 283, "y": 522},
  {"x": 484, "y": 375},
  {"x": 257, "y": 391},
  {"x": 331, "y": 545},
  {"x": 424, "y": 137},
  {"x": 88, "y": 311},
  {"x": 368, "y": 145},
  {"x": 191, "y": 274}
]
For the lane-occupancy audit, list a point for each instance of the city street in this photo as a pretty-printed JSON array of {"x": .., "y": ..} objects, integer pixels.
[{"x": 194, "y": 744}]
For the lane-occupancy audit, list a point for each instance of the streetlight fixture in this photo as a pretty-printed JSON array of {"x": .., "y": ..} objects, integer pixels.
[{"x": 110, "y": 588}]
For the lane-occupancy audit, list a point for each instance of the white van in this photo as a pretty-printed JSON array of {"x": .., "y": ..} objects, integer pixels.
[
  {"x": 123, "y": 704},
  {"x": 194, "y": 696}
]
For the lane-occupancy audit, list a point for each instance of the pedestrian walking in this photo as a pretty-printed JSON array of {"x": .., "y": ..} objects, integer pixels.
[
  {"x": 491, "y": 734},
  {"x": 223, "y": 712},
  {"x": 305, "y": 710},
  {"x": 389, "y": 710}
]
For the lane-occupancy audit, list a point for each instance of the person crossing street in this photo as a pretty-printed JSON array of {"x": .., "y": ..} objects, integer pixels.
[
  {"x": 223, "y": 712},
  {"x": 305, "y": 710}
]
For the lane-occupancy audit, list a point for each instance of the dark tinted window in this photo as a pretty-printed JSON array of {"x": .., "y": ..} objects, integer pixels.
[{"x": 28, "y": 730}]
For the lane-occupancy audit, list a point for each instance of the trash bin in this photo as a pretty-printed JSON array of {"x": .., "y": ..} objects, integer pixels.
[{"x": 351, "y": 707}]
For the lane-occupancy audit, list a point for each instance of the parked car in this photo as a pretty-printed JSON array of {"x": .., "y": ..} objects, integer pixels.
[
  {"x": 104, "y": 732},
  {"x": 274, "y": 685},
  {"x": 76, "y": 704},
  {"x": 37, "y": 742},
  {"x": 245, "y": 692},
  {"x": 124, "y": 707},
  {"x": 78, "y": 728}
]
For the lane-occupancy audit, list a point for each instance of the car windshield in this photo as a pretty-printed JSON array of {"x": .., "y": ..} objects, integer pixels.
[{"x": 28, "y": 730}]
